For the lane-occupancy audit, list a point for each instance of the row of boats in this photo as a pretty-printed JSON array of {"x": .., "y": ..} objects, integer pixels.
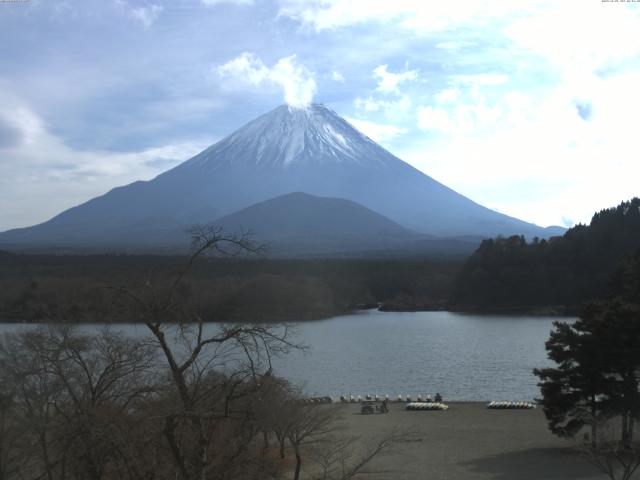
[
  {"x": 427, "y": 402},
  {"x": 426, "y": 406},
  {"x": 399, "y": 398},
  {"x": 510, "y": 405},
  {"x": 492, "y": 405}
]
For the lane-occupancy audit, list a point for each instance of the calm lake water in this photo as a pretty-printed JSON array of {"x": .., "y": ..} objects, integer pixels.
[{"x": 464, "y": 357}]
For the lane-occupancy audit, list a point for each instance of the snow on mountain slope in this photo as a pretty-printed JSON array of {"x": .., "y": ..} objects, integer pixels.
[
  {"x": 311, "y": 150},
  {"x": 288, "y": 135}
]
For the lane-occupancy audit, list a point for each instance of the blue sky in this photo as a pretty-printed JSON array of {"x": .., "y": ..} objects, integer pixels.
[{"x": 528, "y": 107}]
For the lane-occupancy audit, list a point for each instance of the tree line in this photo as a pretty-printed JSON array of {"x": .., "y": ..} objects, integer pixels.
[
  {"x": 563, "y": 272},
  {"x": 71, "y": 288},
  {"x": 595, "y": 383},
  {"x": 187, "y": 401}
]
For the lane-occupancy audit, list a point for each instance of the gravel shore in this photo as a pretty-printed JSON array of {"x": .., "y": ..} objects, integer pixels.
[{"x": 469, "y": 442}]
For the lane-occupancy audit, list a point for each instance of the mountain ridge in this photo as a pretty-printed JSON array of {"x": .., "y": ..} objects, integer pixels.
[
  {"x": 286, "y": 150},
  {"x": 291, "y": 214},
  {"x": 298, "y": 223}
]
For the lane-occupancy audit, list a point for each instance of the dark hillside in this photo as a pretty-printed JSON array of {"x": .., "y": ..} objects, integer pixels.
[
  {"x": 73, "y": 288},
  {"x": 563, "y": 272}
]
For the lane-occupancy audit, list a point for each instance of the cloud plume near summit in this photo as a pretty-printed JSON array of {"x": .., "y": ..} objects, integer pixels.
[
  {"x": 528, "y": 107},
  {"x": 297, "y": 82}
]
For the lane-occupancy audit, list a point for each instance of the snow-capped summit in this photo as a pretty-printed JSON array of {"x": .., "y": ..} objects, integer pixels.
[
  {"x": 309, "y": 135},
  {"x": 311, "y": 150}
]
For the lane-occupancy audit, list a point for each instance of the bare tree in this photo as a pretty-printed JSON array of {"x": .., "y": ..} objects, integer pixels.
[
  {"x": 613, "y": 455},
  {"x": 12, "y": 456},
  {"x": 35, "y": 392},
  {"x": 192, "y": 401},
  {"x": 192, "y": 349},
  {"x": 308, "y": 425},
  {"x": 73, "y": 396},
  {"x": 343, "y": 458}
]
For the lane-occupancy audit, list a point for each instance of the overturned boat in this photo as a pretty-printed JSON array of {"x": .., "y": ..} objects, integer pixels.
[
  {"x": 427, "y": 406},
  {"x": 508, "y": 405}
]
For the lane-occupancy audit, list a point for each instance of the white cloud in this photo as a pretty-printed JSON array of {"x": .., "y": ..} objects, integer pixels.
[
  {"x": 388, "y": 82},
  {"x": 454, "y": 45},
  {"x": 567, "y": 222},
  {"x": 393, "y": 109},
  {"x": 146, "y": 16},
  {"x": 246, "y": 67},
  {"x": 579, "y": 35},
  {"x": 434, "y": 118},
  {"x": 499, "y": 115},
  {"x": 455, "y": 117},
  {"x": 40, "y": 175},
  {"x": 337, "y": 77},
  {"x": 575, "y": 34},
  {"x": 387, "y": 96},
  {"x": 532, "y": 155},
  {"x": 415, "y": 15},
  {"x": 297, "y": 82},
  {"x": 448, "y": 95},
  {"x": 481, "y": 79},
  {"x": 378, "y": 132}
]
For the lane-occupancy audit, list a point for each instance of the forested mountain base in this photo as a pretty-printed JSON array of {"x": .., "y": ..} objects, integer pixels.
[
  {"x": 36, "y": 288},
  {"x": 558, "y": 275},
  {"x": 504, "y": 275}
]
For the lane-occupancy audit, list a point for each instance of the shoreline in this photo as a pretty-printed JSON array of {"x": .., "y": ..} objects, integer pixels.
[
  {"x": 469, "y": 442},
  {"x": 535, "y": 311},
  {"x": 532, "y": 312}
]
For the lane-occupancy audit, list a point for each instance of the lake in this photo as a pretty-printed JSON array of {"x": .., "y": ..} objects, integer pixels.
[{"x": 464, "y": 357}]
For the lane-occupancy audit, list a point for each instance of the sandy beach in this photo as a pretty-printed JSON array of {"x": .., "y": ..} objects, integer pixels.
[{"x": 469, "y": 442}]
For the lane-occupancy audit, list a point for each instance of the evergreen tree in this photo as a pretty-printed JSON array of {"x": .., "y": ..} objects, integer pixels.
[
  {"x": 574, "y": 393},
  {"x": 597, "y": 376},
  {"x": 564, "y": 272}
]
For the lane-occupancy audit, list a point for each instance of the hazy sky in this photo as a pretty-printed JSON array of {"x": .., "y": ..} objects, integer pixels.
[{"x": 528, "y": 107}]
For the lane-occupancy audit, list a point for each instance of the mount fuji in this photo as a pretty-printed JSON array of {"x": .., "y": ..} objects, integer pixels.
[{"x": 311, "y": 150}]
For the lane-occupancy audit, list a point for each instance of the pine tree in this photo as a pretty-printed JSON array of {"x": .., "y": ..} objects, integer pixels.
[{"x": 598, "y": 370}]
